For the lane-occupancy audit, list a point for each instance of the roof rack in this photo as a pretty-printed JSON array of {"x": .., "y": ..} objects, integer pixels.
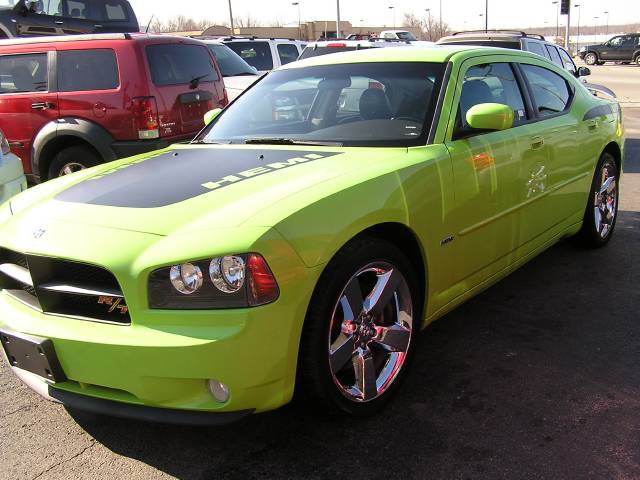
[
  {"x": 506, "y": 31},
  {"x": 66, "y": 38}
]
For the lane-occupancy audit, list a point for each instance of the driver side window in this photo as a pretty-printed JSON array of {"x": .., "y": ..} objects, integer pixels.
[
  {"x": 616, "y": 41},
  {"x": 490, "y": 83}
]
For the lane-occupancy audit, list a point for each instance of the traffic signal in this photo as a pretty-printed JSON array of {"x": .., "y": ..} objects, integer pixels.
[{"x": 564, "y": 7}]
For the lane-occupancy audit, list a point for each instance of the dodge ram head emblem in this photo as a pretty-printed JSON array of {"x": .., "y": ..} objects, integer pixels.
[
  {"x": 114, "y": 303},
  {"x": 38, "y": 233}
]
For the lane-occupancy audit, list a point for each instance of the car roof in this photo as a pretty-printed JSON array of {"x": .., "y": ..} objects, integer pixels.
[
  {"x": 98, "y": 37},
  {"x": 436, "y": 54}
]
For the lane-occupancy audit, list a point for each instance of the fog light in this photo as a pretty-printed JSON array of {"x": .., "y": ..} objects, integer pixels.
[{"x": 219, "y": 390}]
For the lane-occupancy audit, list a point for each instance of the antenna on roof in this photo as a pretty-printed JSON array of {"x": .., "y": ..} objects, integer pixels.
[{"x": 149, "y": 24}]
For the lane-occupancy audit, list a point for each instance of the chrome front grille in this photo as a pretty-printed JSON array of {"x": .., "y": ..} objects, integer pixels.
[{"x": 63, "y": 287}]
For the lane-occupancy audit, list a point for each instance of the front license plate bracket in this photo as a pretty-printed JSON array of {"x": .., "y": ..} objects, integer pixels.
[{"x": 33, "y": 354}]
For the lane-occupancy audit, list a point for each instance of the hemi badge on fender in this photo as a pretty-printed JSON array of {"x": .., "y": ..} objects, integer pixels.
[{"x": 444, "y": 241}]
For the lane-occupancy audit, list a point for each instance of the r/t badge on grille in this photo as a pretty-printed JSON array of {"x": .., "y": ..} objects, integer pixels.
[
  {"x": 114, "y": 304},
  {"x": 38, "y": 233}
]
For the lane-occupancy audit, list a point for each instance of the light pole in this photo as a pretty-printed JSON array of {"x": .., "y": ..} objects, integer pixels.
[
  {"x": 441, "y": 32},
  {"x": 297, "y": 4},
  {"x": 607, "y": 13},
  {"x": 392, "y": 8},
  {"x": 595, "y": 36},
  {"x": 557, "y": 18},
  {"x": 486, "y": 15},
  {"x": 428, "y": 24},
  {"x": 338, "y": 19},
  {"x": 231, "y": 17},
  {"x": 577, "y": 5},
  {"x": 481, "y": 15}
]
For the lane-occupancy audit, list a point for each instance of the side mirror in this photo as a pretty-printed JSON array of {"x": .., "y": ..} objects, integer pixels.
[
  {"x": 584, "y": 72},
  {"x": 490, "y": 116},
  {"x": 211, "y": 115}
]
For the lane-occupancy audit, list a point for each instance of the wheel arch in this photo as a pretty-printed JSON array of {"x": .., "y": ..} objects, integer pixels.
[
  {"x": 66, "y": 132},
  {"x": 614, "y": 150}
]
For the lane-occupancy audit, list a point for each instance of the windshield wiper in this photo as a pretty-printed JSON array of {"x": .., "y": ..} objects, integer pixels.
[
  {"x": 195, "y": 81},
  {"x": 289, "y": 141}
]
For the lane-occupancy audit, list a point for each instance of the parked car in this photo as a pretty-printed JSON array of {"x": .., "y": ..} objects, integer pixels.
[
  {"x": 398, "y": 35},
  {"x": 12, "y": 179},
  {"x": 325, "y": 47},
  {"x": 26, "y": 18},
  {"x": 279, "y": 252},
  {"x": 517, "y": 40},
  {"x": 621, "y": 48},
  {"x": 265, "y": 54},
  {"x": 68, "y": 103},
  {"x": 238, "y": 74}
]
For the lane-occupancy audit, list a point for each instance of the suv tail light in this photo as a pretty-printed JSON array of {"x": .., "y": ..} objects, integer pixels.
[
  {"x": 4, "y": 144},
  {"x": 145, "y": 117},
  {"x": 225, "y": 98}
]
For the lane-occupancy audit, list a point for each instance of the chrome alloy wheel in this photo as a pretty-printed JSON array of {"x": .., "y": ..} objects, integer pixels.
[
  {"x": 71, "y": 167},
  {"x": 606, "y": 200},
  {"x": 369, "y": 336}
]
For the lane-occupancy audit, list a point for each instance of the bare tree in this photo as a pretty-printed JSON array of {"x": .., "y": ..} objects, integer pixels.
[
  {"x": 430, "y": 27},
  {"x": 246, "y": 22}
]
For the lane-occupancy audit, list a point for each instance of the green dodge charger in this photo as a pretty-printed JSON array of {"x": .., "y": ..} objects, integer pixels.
[{"x": 305, "y": 236}]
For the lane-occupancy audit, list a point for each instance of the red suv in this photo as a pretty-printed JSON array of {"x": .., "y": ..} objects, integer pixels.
[{"x": 68, "y": 103}]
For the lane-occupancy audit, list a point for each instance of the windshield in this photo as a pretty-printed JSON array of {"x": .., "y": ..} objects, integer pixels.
[
  {"x": 230, "y": 63},
  {"x": 360, "y": 104},
  {"x": 406, "y": 36}
]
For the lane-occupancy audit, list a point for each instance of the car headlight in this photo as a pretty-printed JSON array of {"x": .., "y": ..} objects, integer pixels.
[{"x": 233, "y": 281}]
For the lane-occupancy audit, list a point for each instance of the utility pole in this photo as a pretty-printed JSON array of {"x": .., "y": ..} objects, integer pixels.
[
  {"x": 595, "y": 37},
  {"x": 441, "y": 32},
  {"x": 392, "y": 8},
  {"x": 607, "y": 23},
  {"x": 231, "y": 17},
  {"x": 557, "y": 3},
  {"x": 338, "y": 20},
  {"x": 299, "y": 24}
]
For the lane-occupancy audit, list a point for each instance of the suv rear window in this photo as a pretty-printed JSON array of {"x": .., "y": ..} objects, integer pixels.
[
  {"x": 180, "y": 64},
  {"x": 115, "y": 11},
  {"x": 84, "y": 70},
  {"x": 23, "y": 73},
  {"x": 256, "y": 54}
]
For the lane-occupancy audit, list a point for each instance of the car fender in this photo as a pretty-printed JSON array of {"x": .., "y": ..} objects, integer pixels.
[{"x": 90, "y": 132}]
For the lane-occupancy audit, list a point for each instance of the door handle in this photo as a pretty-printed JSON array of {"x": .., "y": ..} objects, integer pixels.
[
  {"x": 537, "y": 142},
  {"x": 98, "y": 26},
  {"x": 59, "y": 22},
  {"x": 42, "y": 106}
]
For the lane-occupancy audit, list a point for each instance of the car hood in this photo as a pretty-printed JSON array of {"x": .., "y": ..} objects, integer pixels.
[
  {"x": 199, "y": 187},
  {"x": 239, "y": 83}
]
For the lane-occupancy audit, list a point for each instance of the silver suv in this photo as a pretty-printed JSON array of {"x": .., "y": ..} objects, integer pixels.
[{"x": 515, "y": 40}]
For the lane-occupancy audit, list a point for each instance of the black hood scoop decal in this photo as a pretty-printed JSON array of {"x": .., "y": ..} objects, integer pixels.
[{"x": 179, "y": 175}]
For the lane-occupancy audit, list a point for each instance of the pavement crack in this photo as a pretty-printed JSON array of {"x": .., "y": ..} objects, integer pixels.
[{"x": 81, "y": 452}]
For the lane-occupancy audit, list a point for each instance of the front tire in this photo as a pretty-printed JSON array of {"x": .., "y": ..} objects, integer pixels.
[
  {"x": 73, "y": 159},
  {"x": 602, "y": 207},
  {"x": 637, "y": 60},
  {"x": 359, "y": 334},
  {"x": 590, "y": 58}
]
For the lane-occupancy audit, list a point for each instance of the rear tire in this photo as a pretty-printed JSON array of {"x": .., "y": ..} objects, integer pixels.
[
  {"x": 73, "y": 159},
  {"x": 637, "y": 60},
  {"x": 354, "y": 351},
  {"x": 602, "y": 206},
  {"x": 590, "y": 58}
]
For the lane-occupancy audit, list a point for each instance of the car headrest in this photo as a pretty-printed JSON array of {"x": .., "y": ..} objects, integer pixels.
[{"x": 374, "y": 105}]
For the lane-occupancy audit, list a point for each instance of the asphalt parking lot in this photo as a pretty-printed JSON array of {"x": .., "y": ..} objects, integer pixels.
[{"x": 536, "y": 378}]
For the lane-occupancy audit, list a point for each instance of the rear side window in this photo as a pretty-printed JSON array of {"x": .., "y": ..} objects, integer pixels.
[
  {"x": 287, "y": 52},
  {"x": 555, "y": 56},
  {"x": 115, "y": 11},
  {"x": 256, "y": 54},
  {"x": 79, "y": 9},
  {"x": 536, "y": 48},
  {"x": 23, "y": 73},
  {"x": 551, "y": 93},
  {"x": 180, "y": 64},
  {"x": 85, "y": 70},
  {"x": 491, "y": 83}
]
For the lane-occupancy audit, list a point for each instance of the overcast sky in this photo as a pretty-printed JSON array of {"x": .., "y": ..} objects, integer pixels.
[{"x": 458, "y": 13}]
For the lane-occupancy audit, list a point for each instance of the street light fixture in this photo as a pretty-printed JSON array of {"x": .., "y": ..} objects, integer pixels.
[
  {"x": 557, "y": 18},
  {"x": 297, "y": 4}
]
